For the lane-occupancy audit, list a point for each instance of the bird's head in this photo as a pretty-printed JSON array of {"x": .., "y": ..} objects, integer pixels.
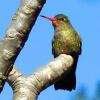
[{"x": 59, "y": 19}]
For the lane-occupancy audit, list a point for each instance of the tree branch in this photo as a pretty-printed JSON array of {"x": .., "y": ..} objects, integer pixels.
[
  {"x": 30, "y": 87},
  {"x": 17, "y": 34}
]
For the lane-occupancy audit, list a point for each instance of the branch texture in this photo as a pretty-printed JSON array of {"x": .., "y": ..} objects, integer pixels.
[
  {"x": 17, "y": 34},
  {"x": 29, "y": 88}
]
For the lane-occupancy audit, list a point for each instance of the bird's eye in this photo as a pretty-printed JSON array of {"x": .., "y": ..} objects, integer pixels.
[{"x": 61, "y": 19}]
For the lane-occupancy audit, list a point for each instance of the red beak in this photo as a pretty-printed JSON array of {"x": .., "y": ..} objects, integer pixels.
[
  {"x": 54, "y": 20},
  {"x": 51, "y": 19}
]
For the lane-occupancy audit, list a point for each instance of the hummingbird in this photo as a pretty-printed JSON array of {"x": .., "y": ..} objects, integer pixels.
[{"x": 65, "y": 41}]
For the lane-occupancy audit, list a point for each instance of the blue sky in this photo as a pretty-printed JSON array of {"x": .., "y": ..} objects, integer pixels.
[{"x": 84, "y": 16}]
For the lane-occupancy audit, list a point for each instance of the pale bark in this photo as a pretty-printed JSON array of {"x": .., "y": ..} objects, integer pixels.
[
  {"x": 17, "y": 34},
  {"x": 29, "y": 88}
]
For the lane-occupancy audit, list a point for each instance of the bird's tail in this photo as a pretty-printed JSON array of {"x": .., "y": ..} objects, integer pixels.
[{"x": 67, "y": 83}]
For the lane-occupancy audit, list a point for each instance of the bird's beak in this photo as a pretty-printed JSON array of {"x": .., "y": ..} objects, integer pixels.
[{"x": 54, "y": 20}]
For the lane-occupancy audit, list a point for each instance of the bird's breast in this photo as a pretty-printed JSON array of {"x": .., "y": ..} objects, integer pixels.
[{"x": 65, "y": 42}]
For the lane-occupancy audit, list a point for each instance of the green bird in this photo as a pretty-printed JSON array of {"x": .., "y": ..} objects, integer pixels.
[{"x": 66, "y": 41}]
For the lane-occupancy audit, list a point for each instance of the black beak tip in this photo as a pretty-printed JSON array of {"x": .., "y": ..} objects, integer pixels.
[{"x": 42, "y": 16}]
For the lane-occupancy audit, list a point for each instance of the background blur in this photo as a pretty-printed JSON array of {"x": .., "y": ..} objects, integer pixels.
[{"x": 84, "y": 16}]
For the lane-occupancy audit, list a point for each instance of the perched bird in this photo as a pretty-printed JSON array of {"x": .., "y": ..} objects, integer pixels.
[{"x": 66, "y": 41}]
